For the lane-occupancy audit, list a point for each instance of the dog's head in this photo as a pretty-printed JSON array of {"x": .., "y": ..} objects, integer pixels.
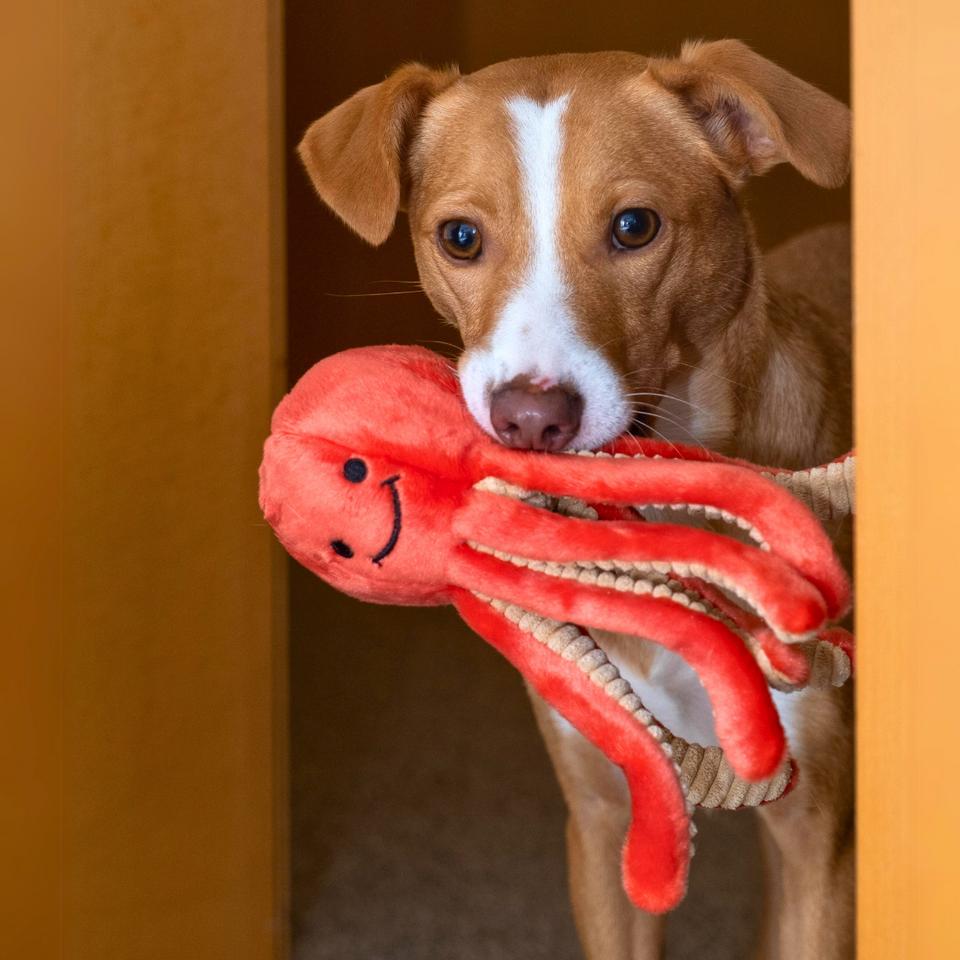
[{"x": 576, "y": 216}]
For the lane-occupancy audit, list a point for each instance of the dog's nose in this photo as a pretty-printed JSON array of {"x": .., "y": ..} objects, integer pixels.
[{"x": 526, "y": 417}]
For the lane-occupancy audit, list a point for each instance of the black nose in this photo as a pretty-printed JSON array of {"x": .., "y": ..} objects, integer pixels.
[{"x": 526, "y": 417}]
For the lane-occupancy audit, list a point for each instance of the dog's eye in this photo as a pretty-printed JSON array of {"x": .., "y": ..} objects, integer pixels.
[
  {"x": 461, "y": 239},
  {"x": 634, "y": 228},
  {"x": 341, "y": 549}
]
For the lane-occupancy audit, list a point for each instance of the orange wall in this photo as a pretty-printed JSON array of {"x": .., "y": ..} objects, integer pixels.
[{"x": 154, "y": 606}]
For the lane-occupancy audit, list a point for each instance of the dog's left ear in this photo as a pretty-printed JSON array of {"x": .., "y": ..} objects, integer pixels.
[
  {"x": 356, "y": 154},
  {"x": 756, "y": 114}
]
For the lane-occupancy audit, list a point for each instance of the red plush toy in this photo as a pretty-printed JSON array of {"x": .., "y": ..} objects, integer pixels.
[{"x": 376, "y": 478}]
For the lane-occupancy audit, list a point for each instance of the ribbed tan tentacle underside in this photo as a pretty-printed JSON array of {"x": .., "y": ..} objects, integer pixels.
[{"x": 705, "y": 775}]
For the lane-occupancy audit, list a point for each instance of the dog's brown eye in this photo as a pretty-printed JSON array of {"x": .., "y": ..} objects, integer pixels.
[
  {"x": 461, "y": 239},
  {"x": 634, "y": 228}
]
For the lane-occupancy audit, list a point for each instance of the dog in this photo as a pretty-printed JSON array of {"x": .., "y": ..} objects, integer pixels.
[{"x": 578, "y": 218}]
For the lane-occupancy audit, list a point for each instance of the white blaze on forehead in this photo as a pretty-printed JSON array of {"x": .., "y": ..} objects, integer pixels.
[
  {"x": 539, "y": 139},
  {"x": 536, "y": 333}
]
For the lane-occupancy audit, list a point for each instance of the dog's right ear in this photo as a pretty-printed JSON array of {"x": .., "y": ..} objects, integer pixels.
[
  {"x": 756, "y": 114},
  {"x": 356, "y": 153}
]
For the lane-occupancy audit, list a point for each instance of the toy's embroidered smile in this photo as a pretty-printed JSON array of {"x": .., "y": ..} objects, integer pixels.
[
  {"x": 356, "y": 471},
  {"x": 391, "y": 482}
]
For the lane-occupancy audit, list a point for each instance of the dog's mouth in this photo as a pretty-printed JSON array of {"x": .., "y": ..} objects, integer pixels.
[{"x": 387, "y": 549}]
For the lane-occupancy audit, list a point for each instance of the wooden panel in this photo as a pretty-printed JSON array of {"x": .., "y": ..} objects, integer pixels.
[
  {"x": 907, "y": 204},
  {"x": 168, "y": 361},
  {"x": 31, "y": 303}
]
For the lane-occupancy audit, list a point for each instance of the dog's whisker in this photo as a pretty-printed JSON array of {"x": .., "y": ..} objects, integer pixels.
[
  {"x": 606, "y": 343},
  {"x": 749, "y": 284},
  {"x": 742, "y": 259},
  {"x": 450, "y": 351},
  {"x": 667, "y": 396},
  {"x": 656, "y": 414},
  {"x": 665, "y": 439},
  {"x": 380, "y": 293},
  {"x": 693, "y": 439},
  {"x": 635, "y": 440}
]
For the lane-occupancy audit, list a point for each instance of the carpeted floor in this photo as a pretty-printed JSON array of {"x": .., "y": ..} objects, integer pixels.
[{"x": 426, "y": 820}]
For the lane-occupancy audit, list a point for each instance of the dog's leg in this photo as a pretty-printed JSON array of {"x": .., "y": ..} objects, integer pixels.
[
  {"x": 809, "y": 840},
  {"x": 598, "y": 805}
]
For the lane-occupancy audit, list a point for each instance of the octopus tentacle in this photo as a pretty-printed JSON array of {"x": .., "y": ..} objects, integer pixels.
[
  {"x": 770, "y": 512},
  {"x": 791, "y": 605},
  {"x": 824, "y": 661},
  {"x": 704, "y": 774},
  {"x": 657, "y": 851},
  {"x": 786, "y": 666},
  {"x": 746, "y": 720},
  {"x": 829, "y": 490}
]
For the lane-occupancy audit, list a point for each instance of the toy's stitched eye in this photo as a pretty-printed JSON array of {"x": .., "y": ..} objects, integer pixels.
[
  {"x": 634, "y": 228},
  {"x": 341, "y": 549},
  {"x": 461, "y": 239},
  {"x": 355, "y": 470}
]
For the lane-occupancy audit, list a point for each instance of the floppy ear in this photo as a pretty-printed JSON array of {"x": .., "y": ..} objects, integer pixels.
[
  {"x": 756, "y": 114},
  {"x": 356, "y": 153}
]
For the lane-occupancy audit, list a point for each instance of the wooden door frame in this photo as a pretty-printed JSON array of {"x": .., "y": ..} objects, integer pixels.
[
  {"x": 907, "y": 287},
  {"x": 77, "y": 892},
  {"x": 147, "y": 811}
]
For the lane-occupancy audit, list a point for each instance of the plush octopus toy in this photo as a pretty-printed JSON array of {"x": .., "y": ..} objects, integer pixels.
[{"x": 376, "y": 478}]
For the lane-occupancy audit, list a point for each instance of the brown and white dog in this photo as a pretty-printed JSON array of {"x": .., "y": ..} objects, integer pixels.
[{"x": 577, "y": 217}]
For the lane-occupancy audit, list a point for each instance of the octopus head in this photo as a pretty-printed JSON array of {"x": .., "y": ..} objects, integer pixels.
[{"x": 368, "y": 525}]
